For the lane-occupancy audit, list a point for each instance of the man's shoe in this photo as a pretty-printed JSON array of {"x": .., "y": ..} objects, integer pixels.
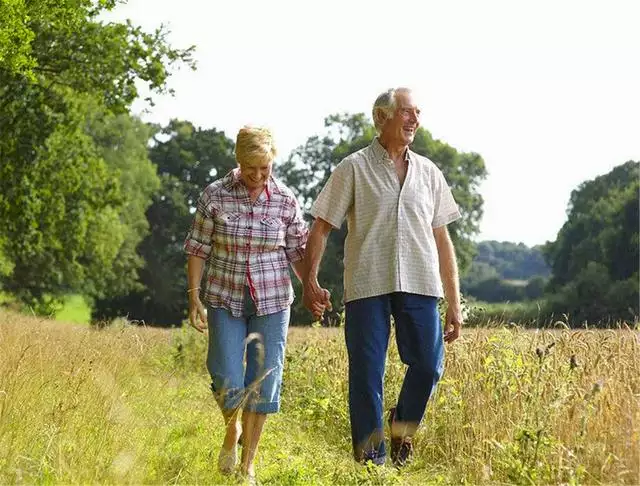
[
  {"x": 401, "y": 447},
  {"x": 373, "y": 458}
]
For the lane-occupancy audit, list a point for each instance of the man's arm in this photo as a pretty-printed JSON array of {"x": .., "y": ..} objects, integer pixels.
[
  {"x": 450, "y": 282},
  {"x": 316, "y": 244}
]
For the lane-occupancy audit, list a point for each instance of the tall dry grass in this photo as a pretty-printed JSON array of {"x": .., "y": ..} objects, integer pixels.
[
  {"x": 130, "y": 405},
  {"x": 515, "y": 406}
]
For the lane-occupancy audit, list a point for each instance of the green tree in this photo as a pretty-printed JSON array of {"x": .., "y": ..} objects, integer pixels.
[
  {"x": 310, "y": 165},
  {"x": 597, "y": 249},
  {"x": 187, "y": 159},
  {"x": 122, "y": 142},
  {"x": 15, "y": 37},
  {"x": 61, "y": 225},
  {"x": 60, "y": 201},
  {"x": 512, "y": 261}
]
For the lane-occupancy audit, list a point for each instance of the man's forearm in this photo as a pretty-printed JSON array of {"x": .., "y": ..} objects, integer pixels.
[
  {"x": 316, "y": 245},
  {"x": 449, "y": 269},
  {"x": 300, "y": 270}
]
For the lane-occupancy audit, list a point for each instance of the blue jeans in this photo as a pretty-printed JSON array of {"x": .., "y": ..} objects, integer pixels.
[
  {"x": 420, "y": 345},
  {"x": 256, "y": 388}
]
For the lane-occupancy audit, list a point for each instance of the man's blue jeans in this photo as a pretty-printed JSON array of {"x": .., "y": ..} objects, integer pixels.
[{"x": 420, "y": 345}]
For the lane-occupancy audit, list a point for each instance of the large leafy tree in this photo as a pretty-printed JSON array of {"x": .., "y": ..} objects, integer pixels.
[
  {"x": 122, "y": 142},
  {"x": 595, "y": 257},
  {"x": 60, "y": 199},
  {"x": 310, "y": 165},
  {"x": 187, "y": 159}
]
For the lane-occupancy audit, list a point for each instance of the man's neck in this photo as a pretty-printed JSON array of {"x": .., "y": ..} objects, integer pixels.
[{"x": 396, "y": 151}]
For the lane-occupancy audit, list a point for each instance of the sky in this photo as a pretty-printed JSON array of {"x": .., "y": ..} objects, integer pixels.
[{"x": 547, "y": 92}]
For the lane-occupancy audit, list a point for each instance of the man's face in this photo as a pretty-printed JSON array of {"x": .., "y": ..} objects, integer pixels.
[
  {"x": 256, "y": 174},
  {"x": 401, "y": 127}
]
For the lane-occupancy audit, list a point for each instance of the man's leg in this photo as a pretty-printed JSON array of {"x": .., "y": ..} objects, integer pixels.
[
  {"x": 367, "y": 337},
  {"x": 420, "y": 345}
]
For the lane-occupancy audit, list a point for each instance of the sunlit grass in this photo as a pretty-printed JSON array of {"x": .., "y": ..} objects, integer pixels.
[
  {"x": 129, "y": 405},
  {"x": 74, "y": 309}
]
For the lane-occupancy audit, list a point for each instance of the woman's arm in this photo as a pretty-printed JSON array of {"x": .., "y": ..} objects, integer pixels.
[{"x": 197, "y": 314}]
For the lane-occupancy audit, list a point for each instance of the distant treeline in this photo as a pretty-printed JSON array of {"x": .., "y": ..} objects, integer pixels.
[{"x": 506, "y": 272}]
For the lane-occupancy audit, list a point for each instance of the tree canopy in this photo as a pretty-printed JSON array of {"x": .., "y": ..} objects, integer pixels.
[
  {"x": 595, "y": 258},
  {"x": 62, "y": 193}
]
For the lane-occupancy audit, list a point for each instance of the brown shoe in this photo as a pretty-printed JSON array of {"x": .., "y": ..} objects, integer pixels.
[{"x": 401, "y": 447}]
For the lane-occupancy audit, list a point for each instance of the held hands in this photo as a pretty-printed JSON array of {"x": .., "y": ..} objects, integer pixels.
[
  {"x": 197, "y": 313},
  {"x": 316, "y": 299},
  {"x": 453, "y": 323}
]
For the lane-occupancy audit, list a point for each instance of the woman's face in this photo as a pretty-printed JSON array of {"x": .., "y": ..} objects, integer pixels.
[{"x": 256, "y": 174}]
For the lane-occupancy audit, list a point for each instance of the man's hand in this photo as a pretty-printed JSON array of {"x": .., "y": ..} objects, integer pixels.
[
  {"x": 316, "y": 299},
  {"x": 197, "y": 314},
  {"x": 453, "y": 323}
]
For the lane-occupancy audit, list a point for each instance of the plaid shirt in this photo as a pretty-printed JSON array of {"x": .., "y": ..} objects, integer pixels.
[{"x": 247, "y": 244}]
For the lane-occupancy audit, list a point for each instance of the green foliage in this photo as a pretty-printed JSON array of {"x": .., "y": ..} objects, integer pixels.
[
  {"x": 187, "y": 160},
  {"x": 505, "y": 271},
  {"x": 61, "y": 225},
  {"x": 310, "y": 165},
  {"x": 595, "y": 258},
  {"x": 15, "y": 37},
  {"x": 62, "y": 42},
  {"x": 62, "y": 195},
  {"x": 122, "y": 142},
  {"x": 507, "y": 260}
]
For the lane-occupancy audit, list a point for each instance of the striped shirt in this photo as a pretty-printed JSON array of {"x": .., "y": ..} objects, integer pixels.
[
  {"x": 247, "y": 244},
  {"x": 390, "y": 245}
]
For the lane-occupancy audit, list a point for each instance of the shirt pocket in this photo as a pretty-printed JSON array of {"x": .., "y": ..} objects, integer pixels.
[
  {"x": 419, "y": 202},
  {"x": 227, "y": 229},
  {"x": 227, "y": 218},
  {"x": 273, "y": 232}
]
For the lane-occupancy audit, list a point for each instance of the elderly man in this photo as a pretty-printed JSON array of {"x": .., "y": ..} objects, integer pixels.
[{"x": 398, "y": 257}]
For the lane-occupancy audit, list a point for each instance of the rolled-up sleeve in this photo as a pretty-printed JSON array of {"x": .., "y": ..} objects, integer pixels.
[
  {"x": 198, "y": 241},
  {"x": 297, "y": 234}
]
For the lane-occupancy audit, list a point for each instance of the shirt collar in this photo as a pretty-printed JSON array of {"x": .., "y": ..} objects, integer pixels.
[
  {"x": 232, "y": 181},
  {"x": 381, "y": 153}
]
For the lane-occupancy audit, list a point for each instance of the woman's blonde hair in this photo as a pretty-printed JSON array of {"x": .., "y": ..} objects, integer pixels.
[{"x": 255, "y": 145}]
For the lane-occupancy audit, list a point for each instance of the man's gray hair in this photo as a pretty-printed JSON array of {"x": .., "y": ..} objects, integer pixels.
[{"x": 384, "y": 107}]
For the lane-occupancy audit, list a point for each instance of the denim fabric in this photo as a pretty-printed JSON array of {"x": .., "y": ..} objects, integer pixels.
[
  {"x": 420, "y": 344},
  {"x": 259, "y": 339}
]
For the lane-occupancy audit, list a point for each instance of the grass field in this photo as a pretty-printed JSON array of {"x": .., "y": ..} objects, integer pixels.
[{"x": 132, "y": 405}]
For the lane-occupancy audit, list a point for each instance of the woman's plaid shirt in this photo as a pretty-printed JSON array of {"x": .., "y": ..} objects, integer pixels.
[{"x": 247, "y": 244}]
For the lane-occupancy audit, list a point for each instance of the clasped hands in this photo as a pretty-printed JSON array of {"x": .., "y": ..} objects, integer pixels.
[{"x": 316, "y": 299}]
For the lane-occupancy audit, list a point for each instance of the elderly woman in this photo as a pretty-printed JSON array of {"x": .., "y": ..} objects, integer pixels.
[{"x": 248, "y": 228}]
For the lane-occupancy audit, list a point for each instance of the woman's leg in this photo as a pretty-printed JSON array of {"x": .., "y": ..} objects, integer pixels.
[
  {"x": 265, "y": 363},
  {"x": 225, "y": 358}
]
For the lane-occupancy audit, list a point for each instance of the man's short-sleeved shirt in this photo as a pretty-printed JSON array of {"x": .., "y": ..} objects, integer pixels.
[{"x": 390, "y": 245}]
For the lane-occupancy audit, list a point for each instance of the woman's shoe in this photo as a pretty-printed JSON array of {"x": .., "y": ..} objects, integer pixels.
[{"x": 227, "y": 460}]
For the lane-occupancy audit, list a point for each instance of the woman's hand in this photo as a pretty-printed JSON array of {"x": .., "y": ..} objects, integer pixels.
[{"x": 197, "y": 313}]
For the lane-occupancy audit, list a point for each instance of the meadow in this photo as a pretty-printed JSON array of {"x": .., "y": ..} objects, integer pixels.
[{"x": 129, "y": 405}]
